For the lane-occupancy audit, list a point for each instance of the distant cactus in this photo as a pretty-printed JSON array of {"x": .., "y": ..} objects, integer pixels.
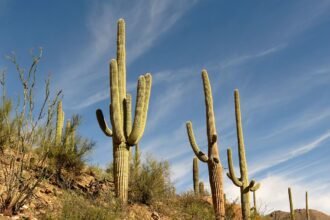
[
  {"x": 201, "y": 188},
  {"x": 292, "y": 215},
  {"x": 213, "y": 159},
  {"x": 124, "y": 135},
  {"x": 307, "y": 209},
  {"x": 255, "y": 210},
  {"x": 59, "y": 123},
  {"x": 243, "y": 181},
  {"x": 195, "y": 175}
]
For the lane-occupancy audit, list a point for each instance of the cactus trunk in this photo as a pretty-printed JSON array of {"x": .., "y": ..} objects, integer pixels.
[
  {"x": 195, "y": 175},
  {"x": 243, "y": 181},
  {"x": 292, "y": 216},
  {"x": 213, "y": 159},
  {"x": 124, "y": 134},
  {"x": 121, "y": 171}
]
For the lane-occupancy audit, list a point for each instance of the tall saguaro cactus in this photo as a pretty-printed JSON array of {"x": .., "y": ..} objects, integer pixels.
[
  {"x": 307, "y": 209},
  {"x": 124, "y": 133},
  {"x": 292, "y": 215},
  {"x": 213, "y": 159},
  {"x": 196, "y": 175},
  {"x": 243, "y": 181}
]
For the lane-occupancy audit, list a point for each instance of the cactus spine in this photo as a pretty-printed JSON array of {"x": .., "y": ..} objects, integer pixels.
[
  {"x": 124, "y": 134},
  {"x": 195, "y": 175},
  {"x": 292, "y": 216},
  {"x": 243, "y": 181},
  {"x": 201, "y": 188},
  {"x": 59, "y": 123},
  {"x": 213, "y": 159},
  {"x": 307, "y": 209}
]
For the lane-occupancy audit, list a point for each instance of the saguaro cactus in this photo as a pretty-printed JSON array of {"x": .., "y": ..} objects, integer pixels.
[
  {"x": 59, "y": 123},
  {"x": 124, "y": 134},
  {"x": 213, "y": 159},
  {"x": 201, "y": 188},
  {"x": 195, "y": 175},
  {"x": 307, "y": 209},
  {"x": 292, "y": 215},
  {"x": 243, "y": 181},
  {"x": 254, "y": 203}
]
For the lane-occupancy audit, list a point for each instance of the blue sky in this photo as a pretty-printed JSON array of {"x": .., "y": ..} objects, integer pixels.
[{"x": 275, "y": 52}]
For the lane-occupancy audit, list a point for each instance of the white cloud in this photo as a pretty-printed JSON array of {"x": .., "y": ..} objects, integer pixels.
[
  {"x": 286, "y": 154},
  {"x": 146, "y": 22}
]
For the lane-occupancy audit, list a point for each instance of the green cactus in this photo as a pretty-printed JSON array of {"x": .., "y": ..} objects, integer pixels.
[
  {"x": 213, "y": 159},
  {"x": 195, "y": 175},
  {"x": 59, "y": 123},
  {"x": 243, "y": 181},
  {"x": 292, "y": 215},
  {"x": 255, "y": 212},
  {"x": 124, "y": 135},
  {"x": 307, "y": 209},
  {"x": 201, "y": 188}
]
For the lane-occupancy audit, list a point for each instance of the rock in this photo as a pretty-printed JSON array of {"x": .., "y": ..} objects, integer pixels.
[{"x": 155, "y": 216}]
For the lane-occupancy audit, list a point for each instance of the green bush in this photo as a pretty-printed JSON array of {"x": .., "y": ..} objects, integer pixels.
[
  {"x": 151, "y": 182},
  {"x": 69, "y": 155},
  {"x": 76, "y": 207}
]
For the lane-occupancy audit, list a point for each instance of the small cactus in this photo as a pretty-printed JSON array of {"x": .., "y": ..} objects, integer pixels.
[
  {"x": 125, "y": 133},
  {"x": 201, "y": 188},
  {"x": 255, "y": 210},
  {"x": 59, "y": 123},
  {"x": 242, "y": 182},
  {"x": 213, "y": 159},
  {"x": 195, "y": 175},
  {"x": 307, "y": 209},
  {"x": 292, "y": 215}
]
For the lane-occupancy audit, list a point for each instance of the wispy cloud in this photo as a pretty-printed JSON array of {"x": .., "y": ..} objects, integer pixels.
[
  {"x": 146, "y": 23},
  {"x": 286, "y": 154}
]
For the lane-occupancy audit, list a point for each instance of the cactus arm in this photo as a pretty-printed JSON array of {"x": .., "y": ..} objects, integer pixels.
[
  {"x": 231, "y": 173},
  {"x": 201, "y": 156},
  {"x": 137, "y": 131},
  {"x": 211, "y": 131},
  {"x": 121, "y": 58},
  {"x": 240, "y": 137},
  {"x": 128, "y": 114},
  {"x": 102, "y": 123},
  {"x": 148, "y": 80},
  {"x": 253, "y": 186},
  {"x": 115, "y": 102}
]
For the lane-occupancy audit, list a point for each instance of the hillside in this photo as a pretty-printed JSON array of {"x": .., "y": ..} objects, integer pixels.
[{"x": 300, "y": 215}]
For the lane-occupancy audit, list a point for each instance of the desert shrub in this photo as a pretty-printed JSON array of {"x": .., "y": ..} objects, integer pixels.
[
  {"x": 99, "y": 173},
  {"x": 75, "y": 207},
  {"x": 70, "y": 154},
  {"x": 194, "y": 207},
  {"x": 151, "y": 182},
  {"x": 26, "y": 127},
  {"x": 232, "y": 210}
]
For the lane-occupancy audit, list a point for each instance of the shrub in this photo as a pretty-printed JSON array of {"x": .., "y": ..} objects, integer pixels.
[
  {"x": 70, "y": 154},
  {"x": 76, "y": 207},
  {"x": 151, "y": 183},
  {"x": 21, "y": 131},
  {"x": 194, "y": 207}
]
